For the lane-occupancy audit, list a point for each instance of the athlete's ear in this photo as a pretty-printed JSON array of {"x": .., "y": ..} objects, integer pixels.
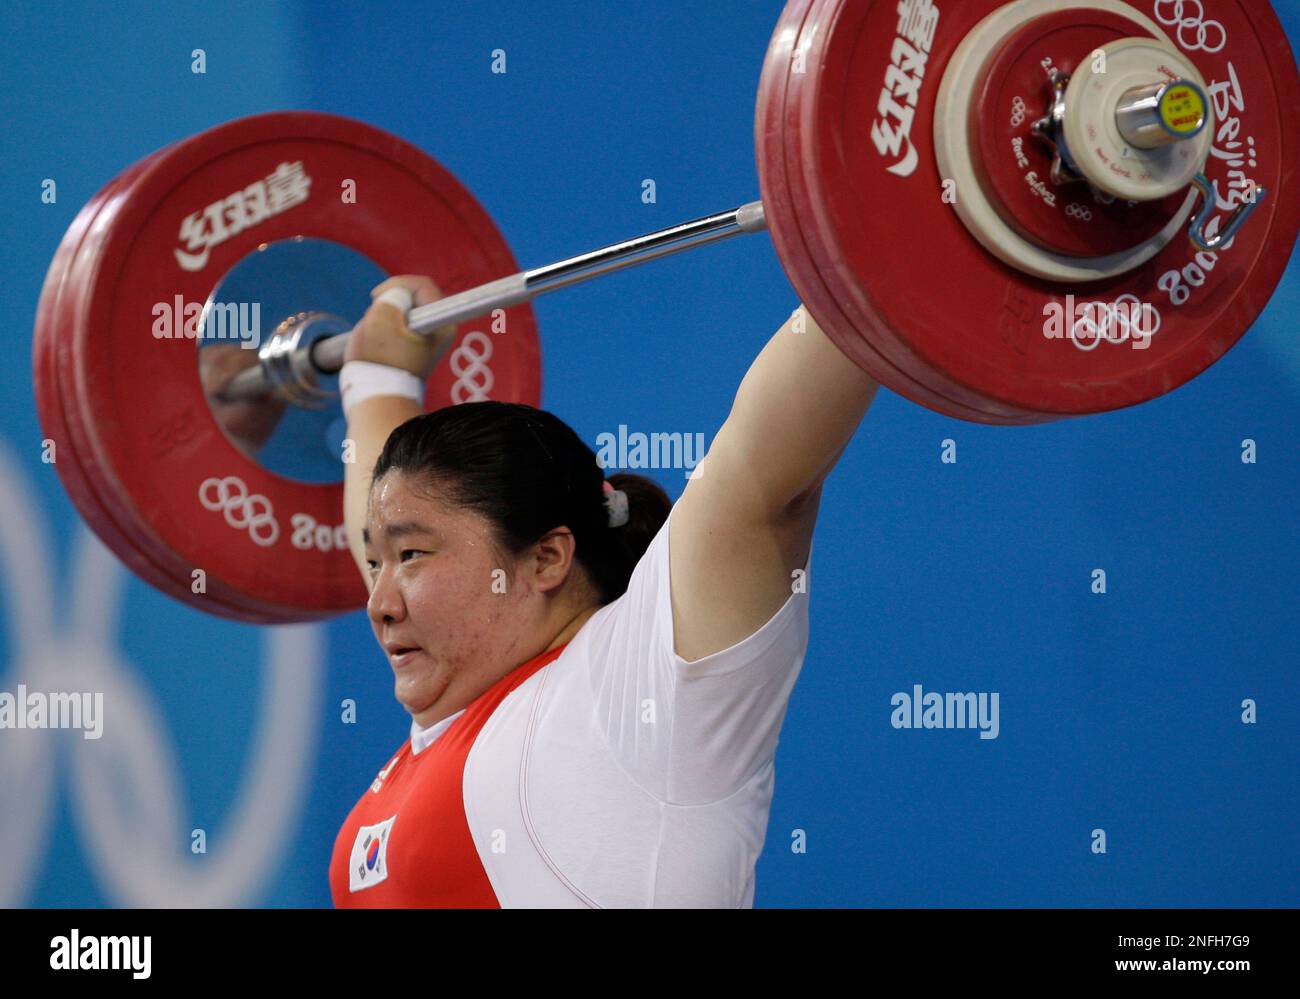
[{"x": 553, "y": 555}]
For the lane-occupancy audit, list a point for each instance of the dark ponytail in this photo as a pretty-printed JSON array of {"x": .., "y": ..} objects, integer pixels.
[
  {"x": 527, "y": 472},
  {"x": 647, "y": 509}
]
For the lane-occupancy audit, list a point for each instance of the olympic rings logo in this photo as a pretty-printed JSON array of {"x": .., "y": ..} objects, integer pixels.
[
  {"x": 1175, "y": 12},
  {"x": 1078, "y": 211},
  {"x": 1018, "y": 111},
  {"x": 126, "y": 790},
  {"x": 242, "y": 510},
  {"x": 468, "y": 362},
  {"x": 1114, "y": 322}
]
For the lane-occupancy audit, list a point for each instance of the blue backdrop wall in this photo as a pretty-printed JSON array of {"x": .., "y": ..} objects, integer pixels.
[{"x": 1123, "y": 712}]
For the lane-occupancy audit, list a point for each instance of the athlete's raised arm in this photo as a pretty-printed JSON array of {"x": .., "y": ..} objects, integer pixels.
[
  {"x": 745, "y": 522},
  {"x": 379, "y": 339}
]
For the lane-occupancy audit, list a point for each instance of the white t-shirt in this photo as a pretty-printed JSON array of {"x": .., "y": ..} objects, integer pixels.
[{"x": 620, "y": 775}]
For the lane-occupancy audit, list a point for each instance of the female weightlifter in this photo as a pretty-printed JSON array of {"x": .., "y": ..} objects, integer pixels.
[{"x": 596, "y": 677}]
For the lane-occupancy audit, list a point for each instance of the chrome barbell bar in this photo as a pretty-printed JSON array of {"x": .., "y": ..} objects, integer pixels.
[{"x": 325, "y": 355}]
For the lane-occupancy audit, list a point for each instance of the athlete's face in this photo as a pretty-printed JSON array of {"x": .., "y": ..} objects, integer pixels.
[{"x": 447, "y": 630}]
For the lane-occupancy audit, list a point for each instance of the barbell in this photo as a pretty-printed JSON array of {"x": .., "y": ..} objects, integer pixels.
[{"x": 1008, "y": 213}]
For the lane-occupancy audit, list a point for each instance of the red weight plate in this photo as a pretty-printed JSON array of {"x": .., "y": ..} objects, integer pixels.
[
  {"x": 779, "y": 211},
  {"x": 979, "y": 323},
  {"x": 1012, "y": 95},
  {"x": 170, "y": 236},
  {"x": 865, "y": 331},
  {"x": 109, "y": 514},
  {"x": 45, "y": 371},
  {"x": 107, "y": 523},
  {"x": 45, "y": 380}
]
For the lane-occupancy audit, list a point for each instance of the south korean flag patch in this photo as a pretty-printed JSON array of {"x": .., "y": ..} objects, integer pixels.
[{"x": 369, "y": 864}]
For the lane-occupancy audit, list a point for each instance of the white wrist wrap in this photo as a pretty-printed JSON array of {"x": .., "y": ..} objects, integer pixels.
[{"x": 361, "y": 379}]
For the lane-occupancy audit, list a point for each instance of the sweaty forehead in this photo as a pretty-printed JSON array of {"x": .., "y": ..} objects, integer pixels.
[
  {"x": 397, "y": 489},
  {"x": 395, "y": 510},
  {"x": 394, "y": 507},
  {"x": 394, "y": 530}
]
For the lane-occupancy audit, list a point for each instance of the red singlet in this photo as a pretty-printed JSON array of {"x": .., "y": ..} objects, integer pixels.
[{"x": 407, "y": 842}]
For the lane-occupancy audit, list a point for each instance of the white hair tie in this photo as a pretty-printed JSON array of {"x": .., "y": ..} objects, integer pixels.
[{"x": 616, "y": 504}]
